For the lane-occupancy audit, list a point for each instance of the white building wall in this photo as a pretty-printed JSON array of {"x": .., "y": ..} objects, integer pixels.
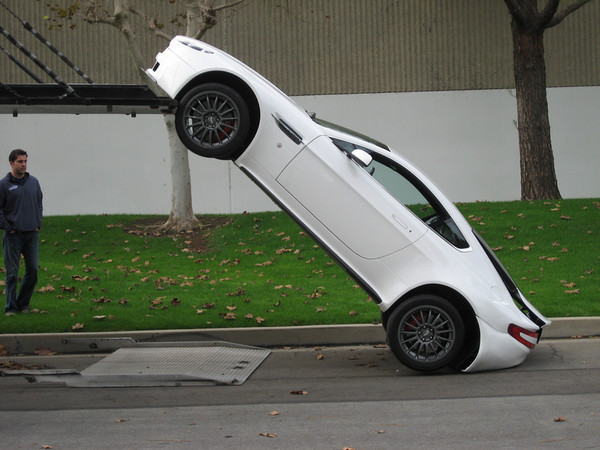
[{"x": 466, "y": 141}]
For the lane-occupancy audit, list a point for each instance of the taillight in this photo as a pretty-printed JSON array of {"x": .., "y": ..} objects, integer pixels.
[{"x": 526, "y": 337}]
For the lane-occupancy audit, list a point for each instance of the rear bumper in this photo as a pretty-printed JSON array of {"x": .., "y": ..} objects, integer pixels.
[{"x": 498, "y": 350}]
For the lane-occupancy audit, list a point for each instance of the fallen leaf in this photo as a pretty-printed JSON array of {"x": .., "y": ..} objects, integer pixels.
[
  {"x": 266, "y": 263},
  {"x": 274, "y": 413},
  {"x": 299, "y": 393},
  {"x": 48, "y": 288},
  {"x": 269, "y": 435},
  {"x": 45, "y": 352},
  {"x": 239, "y": 291},
  {"x": 560, "y": 419},
  {"x": 77, "y": 326}
]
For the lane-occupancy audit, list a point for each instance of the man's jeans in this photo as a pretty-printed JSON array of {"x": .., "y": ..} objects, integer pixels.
[{"x": 15, "y": 245}]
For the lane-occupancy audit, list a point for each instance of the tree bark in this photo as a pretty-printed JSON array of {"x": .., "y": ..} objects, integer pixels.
[
  {"x": 538, "y": 175},
  {"x": 182, "y": 216}
]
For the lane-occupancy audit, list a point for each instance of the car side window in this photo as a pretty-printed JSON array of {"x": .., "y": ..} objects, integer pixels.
[
  {"x": 401, "y": 188},
  {"x": 409, "y": 191}
]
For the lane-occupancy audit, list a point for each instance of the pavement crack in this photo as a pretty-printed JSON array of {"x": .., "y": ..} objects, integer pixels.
[{"x": 555, "y": 353}]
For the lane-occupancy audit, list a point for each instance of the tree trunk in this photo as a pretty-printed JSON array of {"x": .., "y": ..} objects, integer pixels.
[
  {"x": 182, "y": 216},
  {"x": 538, "y": 176}
]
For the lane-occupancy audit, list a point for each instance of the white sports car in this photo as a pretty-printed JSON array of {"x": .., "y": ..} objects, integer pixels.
[{"x": 446, "y": 300}]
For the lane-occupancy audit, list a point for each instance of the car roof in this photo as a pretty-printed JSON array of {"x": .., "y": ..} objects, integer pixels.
[{"x": 340, "y": 132}]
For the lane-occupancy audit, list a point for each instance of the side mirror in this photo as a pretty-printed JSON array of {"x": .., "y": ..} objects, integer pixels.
[{"x": 361, "y": 157}]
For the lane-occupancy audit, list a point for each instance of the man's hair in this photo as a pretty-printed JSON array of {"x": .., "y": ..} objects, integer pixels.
[{"x": 15, "y": 154}]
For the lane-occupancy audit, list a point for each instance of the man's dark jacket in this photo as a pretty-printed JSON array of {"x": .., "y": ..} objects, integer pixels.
[{"x": 20, "y": 203}]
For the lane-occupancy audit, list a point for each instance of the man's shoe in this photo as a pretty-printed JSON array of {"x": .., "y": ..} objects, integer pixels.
[{"x": 9, "y": 313}]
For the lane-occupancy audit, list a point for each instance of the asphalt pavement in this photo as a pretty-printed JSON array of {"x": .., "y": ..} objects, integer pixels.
[
  {"x": 322, "y": 387},
  {"x": 335, "y": 397}
]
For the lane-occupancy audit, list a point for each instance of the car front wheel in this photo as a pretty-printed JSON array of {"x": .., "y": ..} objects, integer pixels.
[
  {"x": 213, "y": 120},
  {"x": 426, "y": 333}
]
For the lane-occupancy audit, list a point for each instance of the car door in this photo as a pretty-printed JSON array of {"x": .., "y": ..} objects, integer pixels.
[{"x": 348, "y": 201}]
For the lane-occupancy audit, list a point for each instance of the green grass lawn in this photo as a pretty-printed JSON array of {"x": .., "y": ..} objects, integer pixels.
[
  {"x": 551, "y": 249},
  {"x": 105, "y": 273}
]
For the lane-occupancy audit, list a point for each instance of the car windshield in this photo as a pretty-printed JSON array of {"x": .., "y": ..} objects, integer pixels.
[{"x": 411, "y": 192}]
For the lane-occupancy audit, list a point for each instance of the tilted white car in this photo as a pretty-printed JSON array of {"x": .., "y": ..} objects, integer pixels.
[{"x": 445, "y": 298}]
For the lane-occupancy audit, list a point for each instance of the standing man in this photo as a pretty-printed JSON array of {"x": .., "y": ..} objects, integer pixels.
[{"x": 21, "y": 219}]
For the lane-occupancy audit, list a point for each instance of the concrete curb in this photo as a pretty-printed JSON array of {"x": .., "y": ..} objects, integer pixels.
[{"x": 260, "y": 337}]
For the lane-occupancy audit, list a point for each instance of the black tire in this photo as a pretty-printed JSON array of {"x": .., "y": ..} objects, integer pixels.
[
  {"x": 213, "y": 120},
  {"x": 426, "y": 333}
]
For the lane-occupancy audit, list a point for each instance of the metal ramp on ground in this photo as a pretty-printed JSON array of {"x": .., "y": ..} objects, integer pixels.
[{"x": 160, "y": 364}]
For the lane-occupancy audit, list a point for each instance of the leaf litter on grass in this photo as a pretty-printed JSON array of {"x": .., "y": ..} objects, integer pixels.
[
  {"x": 547, "y": 246},
  {"x": 211, "y": 272}
]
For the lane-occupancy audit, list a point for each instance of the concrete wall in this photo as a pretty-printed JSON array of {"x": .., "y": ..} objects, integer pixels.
[{"x": 466, "y": 141}]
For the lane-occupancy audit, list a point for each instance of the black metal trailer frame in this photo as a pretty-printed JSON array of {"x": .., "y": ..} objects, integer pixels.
[{"x": 18, "y": 99}]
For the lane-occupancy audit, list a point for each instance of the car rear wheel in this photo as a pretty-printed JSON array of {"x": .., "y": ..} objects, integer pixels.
[
  {"x": 426, "y": 333},
  {"x": 213, "y": 121}
]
